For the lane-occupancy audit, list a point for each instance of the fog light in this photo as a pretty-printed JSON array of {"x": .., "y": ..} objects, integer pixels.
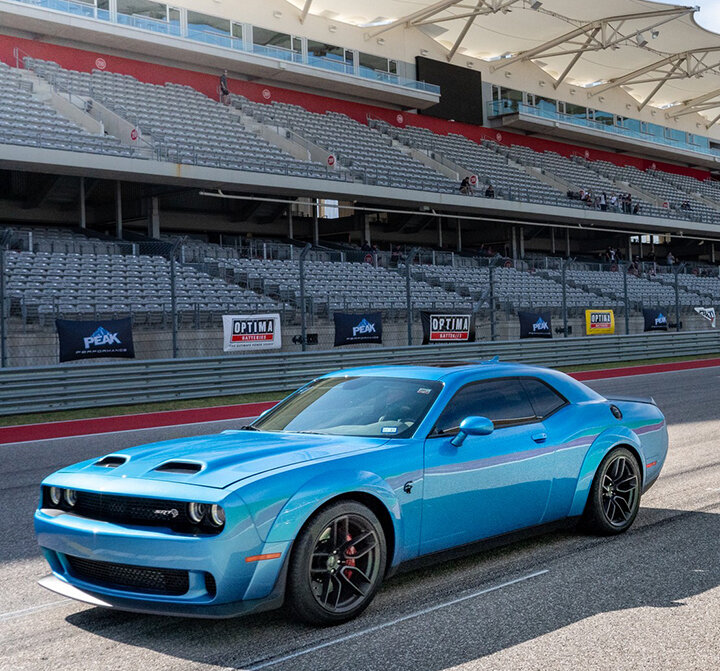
[
  {"x": 217, "y": 515},
  {"x": 70, "y": 497},
  {"x": 196, "y": 512},
  {"x": 55, "y": 495}
]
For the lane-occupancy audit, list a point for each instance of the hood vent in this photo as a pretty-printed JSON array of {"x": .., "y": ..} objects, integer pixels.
[
  {"x": 182, "y": 467},
  {"x": 111, "y": 461}
]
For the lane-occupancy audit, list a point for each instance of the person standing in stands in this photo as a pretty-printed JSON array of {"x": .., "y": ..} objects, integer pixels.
[
  {"x": 224, "y": 90},
  {"x": 490, "y": 191},
  {"x": 465, "y": 187}
]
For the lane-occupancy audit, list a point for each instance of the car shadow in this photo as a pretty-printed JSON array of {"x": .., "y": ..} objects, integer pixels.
[{"x": 670, "y": 557}]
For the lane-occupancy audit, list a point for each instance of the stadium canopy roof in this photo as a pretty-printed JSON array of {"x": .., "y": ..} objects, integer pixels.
[{"x": 654, "y": 51}]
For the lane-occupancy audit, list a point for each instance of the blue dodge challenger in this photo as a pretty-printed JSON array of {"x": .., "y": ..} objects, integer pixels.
[{"x": 327, "y": 493}]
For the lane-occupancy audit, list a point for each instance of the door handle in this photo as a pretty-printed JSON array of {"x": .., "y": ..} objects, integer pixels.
[{"x": 539, "y": 437}]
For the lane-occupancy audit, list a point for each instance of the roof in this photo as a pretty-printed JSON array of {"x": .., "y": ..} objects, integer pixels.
[{"x": 655, "y": 51}]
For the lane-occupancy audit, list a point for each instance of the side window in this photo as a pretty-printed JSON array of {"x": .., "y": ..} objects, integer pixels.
[
  {"x": 503, "y": 401},
  {"x": 545, "y": 401}
]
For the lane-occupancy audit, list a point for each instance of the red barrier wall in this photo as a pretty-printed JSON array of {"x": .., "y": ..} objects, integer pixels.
[{"x": 86, "y": 61}]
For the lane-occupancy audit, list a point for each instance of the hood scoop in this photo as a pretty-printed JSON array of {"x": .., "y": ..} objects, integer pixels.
[
  {"x": 111, "y": 461},
  {"x": 180, "y": 467}
]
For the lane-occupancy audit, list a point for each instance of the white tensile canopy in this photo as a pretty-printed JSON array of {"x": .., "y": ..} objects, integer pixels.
[{"x": 655, "y": 51}]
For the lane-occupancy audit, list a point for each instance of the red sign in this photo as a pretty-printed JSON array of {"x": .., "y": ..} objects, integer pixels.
[
  {"x": 100, "y": 63},
  {"x": 248, "y": 337},
  {"x": 400, "y": 118},
  {"x": 587, "y": 153},
  {"x": 498, "y": 137},
  {"x": 331, "y": 160},
  {"x": 473, "y": 180},
  {"x": 133, "y": 134},
  {"x": 266, "y": 94},
  {"x": 368, "y": 258}
]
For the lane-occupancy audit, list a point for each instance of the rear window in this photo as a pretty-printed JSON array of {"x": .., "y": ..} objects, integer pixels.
[{"x": 545, "y": 400}]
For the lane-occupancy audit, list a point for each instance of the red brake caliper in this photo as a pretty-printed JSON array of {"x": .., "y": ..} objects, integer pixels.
[{"x": 349, "y": 553}]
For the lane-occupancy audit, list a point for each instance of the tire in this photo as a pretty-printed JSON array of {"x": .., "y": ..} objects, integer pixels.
[
  {"x": 330, "y": 578},
  {"x": 614, "y": 498}
]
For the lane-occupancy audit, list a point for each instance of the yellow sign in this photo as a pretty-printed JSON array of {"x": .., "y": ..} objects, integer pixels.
[{"x": 599, "y": 322}]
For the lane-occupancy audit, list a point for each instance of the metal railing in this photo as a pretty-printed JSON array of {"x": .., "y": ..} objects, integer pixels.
[{"x": 25, "y": 390}]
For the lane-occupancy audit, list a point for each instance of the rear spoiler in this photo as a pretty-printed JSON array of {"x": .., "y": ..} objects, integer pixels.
[{"x": 633, "y": 399}]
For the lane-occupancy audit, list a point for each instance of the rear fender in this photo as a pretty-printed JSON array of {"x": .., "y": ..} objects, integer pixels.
[
  {"x": 315, "y": 493},
  {"x": 606, "y": 441}
]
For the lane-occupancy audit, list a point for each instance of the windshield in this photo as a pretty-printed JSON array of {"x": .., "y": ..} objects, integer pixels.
[{"x": 382, "y": 407}]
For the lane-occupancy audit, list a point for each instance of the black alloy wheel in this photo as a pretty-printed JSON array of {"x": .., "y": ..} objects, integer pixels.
[
  {"x": 338, "y": 564},
  {"x": 614, "y": 498}
]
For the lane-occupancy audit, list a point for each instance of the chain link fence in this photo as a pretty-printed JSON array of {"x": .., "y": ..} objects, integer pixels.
[{"x": 176, "y": 292}]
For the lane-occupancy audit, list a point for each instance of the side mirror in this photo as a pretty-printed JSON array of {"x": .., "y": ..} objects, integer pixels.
[{"x": 472, "y": 426}]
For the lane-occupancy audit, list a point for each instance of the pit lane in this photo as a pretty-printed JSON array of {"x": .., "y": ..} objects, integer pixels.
[{"x": 649, "y": 599}]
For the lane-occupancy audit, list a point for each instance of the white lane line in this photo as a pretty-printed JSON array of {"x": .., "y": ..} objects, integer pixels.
[
  {"x": 713, "y": 489},
  {"x": 391, "y": 623},
  {"x": 11, "y": 615}
]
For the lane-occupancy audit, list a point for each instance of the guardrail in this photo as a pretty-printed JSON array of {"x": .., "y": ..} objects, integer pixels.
[{"x": 61, "y": 387}]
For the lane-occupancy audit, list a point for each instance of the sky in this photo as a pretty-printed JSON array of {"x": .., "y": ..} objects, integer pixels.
[{"x": 709, "y": 14}]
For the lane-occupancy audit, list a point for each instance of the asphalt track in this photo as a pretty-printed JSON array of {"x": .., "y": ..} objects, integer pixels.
[{"x": 649, "y": 599}]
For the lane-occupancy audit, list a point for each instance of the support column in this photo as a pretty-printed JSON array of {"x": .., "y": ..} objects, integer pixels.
[
  {"x": 567, "y": 242},
  {"x": 154, "y": 218},
  {"x": 83, "y": 214},
  {"x": 629, "y": 250},
  {"x": 291, "y": 232},
  {"x": 459, "y": 236},
  {"x": 439, "y": 232},
  {"x": 712, "y": 252},
  {"x": 118, "y": 210},
  {"x": 316, "y": 223},
  {"x": 552, "y": 240},
  {"x": 366, "y": 229},
  {"x": 514, "y": 243},
  {"x": 522, "y": 242}
]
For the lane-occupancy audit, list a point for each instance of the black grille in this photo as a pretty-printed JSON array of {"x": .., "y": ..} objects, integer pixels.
[
  {"x": 131, "y": 509},
  {"x": 139, "y": 578}
]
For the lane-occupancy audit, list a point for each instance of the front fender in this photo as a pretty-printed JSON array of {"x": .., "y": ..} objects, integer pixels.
[
  {"x": 315, "y": 493},
  {"x": 606, "y": 441}
]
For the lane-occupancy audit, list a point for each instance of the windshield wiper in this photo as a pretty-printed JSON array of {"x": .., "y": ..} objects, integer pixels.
[{"x": 249, "y": 427}]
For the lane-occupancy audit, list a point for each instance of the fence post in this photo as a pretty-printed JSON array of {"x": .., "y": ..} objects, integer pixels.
[
  {"x": 623, "y": 267},
  {"x": 303, "y": 316},
  {"x": 563, "y": 269},
  {"x": 491, "y": 277},
  {"x": 408, "y": 293},
  {"x": 173, "y": 300},
  {"x": 3, "y": 343},
  {"x": 677, "y": 298}
]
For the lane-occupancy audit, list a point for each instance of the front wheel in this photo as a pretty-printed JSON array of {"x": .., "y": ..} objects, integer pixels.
[
  {"x": 337, "y": 564},
  {"x": 614, "y": 498}
]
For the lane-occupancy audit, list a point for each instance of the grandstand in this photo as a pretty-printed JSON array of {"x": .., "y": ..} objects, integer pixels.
[{"x": 133, "y": 188}]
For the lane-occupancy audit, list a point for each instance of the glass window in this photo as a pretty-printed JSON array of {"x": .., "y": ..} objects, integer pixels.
[
  {"x": 151, "y": 10},
  {"x": 505, "y": 402},
  {"x": 272, "y": 38},
  {"x": 376, "y": 63},
  {"x": 605, "y": 118},
  {"x": 207, "y": 23},
  {"x": 545, "y": 401},
  {"x": 381, "y": 407}
]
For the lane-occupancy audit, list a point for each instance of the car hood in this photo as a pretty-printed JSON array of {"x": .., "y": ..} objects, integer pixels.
[{"x": 222, "y": 459}]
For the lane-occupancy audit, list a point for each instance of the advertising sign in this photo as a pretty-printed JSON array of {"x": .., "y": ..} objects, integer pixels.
[
  {"x": 709, "y": 314},
  {"x": 440, "y": 327},
  {"x": 599, "y": 322},
  {"x": 95, "y": 339},
  {"x": 655, "y": 320},
  {"x": 354, "y": 329},
  {"x": 535, "y": 325},
  {"x": 251, "y": 332}
]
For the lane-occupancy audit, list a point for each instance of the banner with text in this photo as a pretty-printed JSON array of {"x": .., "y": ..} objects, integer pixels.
[
  {"x": 655, "y": 319},
  {"x": 599, "y": 322},
  {"x": 535, "y": 325},
  {"x": 251, "y": 332},
  {"x": 95, "y": 339},
  {"x": 440, "y": 327},
  {"x": 709, "y": 314},
  {"x": 356, "y": 329}
]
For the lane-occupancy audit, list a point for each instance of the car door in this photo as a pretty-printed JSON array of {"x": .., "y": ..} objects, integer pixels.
[{"x": 491, "y": 484}]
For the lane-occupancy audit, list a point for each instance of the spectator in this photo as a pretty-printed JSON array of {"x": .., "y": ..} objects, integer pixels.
[
  {"x": 366, "y": 247},
  {"x": 394, "y": 256},
  {"x": 490, "y": 191},
  {"x": 465, "y": 187},
  {"x": 224, "y": 90},
  {"x": 603, "y": 202},
  {"x": 670, "y": 259},
  {"x": 636, "y": 208}
]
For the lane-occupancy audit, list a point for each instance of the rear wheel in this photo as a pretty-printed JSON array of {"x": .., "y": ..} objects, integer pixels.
[
  {"x": 614, "y": 498},
  {"x": 337, "y": 564}
]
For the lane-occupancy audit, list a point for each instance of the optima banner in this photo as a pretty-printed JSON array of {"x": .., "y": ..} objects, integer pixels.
[
  {"x": 95, "y": 339},
  {"x": 354, "y": 329},
  {"x": 655, "y": 320},
  {"x": 599, "y": 322},
  {"x": 535, "y": 325},
  {"x": 251, "y": 332},
  {"x": 439, "y": 328}
]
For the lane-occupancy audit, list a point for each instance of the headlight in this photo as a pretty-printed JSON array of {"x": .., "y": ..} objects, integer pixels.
[
  {"x": 196, "y": 512},
  {"x": 70, "y": 497},
  {"x": 55, "y": 495},
  {"x": 217, "y": 515}
]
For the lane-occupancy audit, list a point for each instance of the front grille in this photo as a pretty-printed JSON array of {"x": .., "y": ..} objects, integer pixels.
[
  {"x": 168, "y": 581},
  {"x": 131, "y": 509}
]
